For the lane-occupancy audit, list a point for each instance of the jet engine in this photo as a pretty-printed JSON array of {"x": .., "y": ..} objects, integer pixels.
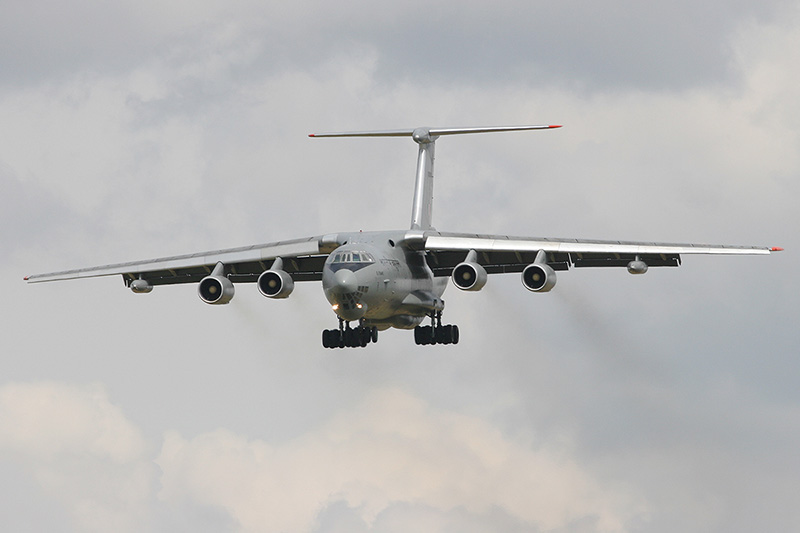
[
  {"x": 469, "y": 275},
  {"x": 216, "y": 288},
  {"x": 539, "y": 276},
  {"x": 275, "y": 283}
]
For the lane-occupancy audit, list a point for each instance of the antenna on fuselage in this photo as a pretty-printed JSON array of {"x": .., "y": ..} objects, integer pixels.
[{"x": 422, "y": 209}]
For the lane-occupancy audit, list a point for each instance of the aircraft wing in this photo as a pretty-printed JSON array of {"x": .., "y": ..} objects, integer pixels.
[
  {"x": 302, "y": 258},
  {"x": 500, "y": 253}
]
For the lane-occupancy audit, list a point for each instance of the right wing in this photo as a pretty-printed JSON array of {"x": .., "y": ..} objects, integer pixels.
[
  {"x": 500, "y": 253},
  {"x": 302, "y": 259}
]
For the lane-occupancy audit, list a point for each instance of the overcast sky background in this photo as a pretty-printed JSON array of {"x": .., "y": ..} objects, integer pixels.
[{"x": 659, "y": 403}]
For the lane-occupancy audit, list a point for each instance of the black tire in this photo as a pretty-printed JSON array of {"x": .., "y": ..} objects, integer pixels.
[
  {"x": 422, "y": 335},
  {"x": 374, "y": 334},
  {"x": 338, "y": 338},
  {"x": 326, "y": 338},
  {"x": 348, "y": 338},
  {"x": 429, "y": 334},
  {"x": 447, "y": 334},
  {"x": 438, "y": 335}
]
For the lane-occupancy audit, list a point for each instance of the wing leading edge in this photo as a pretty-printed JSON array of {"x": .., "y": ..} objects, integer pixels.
[
  {"x": 303, "y": 260},
  {"x": 500, "y": 253}
]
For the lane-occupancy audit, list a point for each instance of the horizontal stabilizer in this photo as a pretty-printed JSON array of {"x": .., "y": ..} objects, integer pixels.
[
  {"x": 432, "y": 131},
  {"x": 421, "y": 211}
]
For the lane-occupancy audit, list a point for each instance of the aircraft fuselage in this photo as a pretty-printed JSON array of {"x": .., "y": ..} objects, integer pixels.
[{"x": 374, "y": 280}]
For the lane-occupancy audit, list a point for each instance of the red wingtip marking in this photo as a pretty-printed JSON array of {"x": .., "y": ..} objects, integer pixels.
[
  {"x": 25, "y": 278},
  {"x": 311, "y": 135},
  {"x": 776, "y": 249},
  {"x": 555, "y": 125}
]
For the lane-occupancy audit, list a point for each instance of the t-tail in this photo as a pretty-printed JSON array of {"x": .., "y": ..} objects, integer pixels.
[{"x": 422, "y": 208}]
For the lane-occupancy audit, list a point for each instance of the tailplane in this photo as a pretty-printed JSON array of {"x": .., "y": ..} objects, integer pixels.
[{"x": 422, "y": 208}]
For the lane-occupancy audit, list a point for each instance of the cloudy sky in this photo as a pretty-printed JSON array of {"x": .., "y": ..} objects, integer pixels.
[{"x": 659, "y": 403}]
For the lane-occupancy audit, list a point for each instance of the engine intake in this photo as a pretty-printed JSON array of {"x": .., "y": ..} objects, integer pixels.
[
  {"x": 216, "y": 289},
  {"x": 275, "y": 283},
  {"x": 538, "y": 277},
  {"x": 469, "y": 275}
]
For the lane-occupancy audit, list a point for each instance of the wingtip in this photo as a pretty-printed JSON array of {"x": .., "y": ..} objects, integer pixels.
[
  {"x": 776, "y": 249},
  {"x": 556, "y": 125},
  {"x": 311, "y": 135}
]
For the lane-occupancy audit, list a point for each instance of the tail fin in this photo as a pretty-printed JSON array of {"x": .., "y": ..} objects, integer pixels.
[{"x": 422, "y": 209}]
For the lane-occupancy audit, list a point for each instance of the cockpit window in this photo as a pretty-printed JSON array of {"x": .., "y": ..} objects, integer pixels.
[
  {"x": 354, "y": 260},
  {"x": 353, "y": 257}
]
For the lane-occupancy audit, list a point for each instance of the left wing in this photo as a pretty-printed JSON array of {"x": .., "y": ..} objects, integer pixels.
[
  {"x": 302, "y": 258},
  {"x": 500, "y": 253}
]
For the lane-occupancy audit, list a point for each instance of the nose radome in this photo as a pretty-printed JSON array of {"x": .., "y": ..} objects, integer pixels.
[{"x": 346, "y": 281}]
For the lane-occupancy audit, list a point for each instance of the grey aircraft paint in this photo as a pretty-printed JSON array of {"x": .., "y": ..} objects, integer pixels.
[{"x": 394, "y": 278}]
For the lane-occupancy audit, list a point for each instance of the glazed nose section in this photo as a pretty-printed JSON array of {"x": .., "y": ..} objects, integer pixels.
[
  {"x": 345, "y": 282},
  {"x": 343, "y": 294}
]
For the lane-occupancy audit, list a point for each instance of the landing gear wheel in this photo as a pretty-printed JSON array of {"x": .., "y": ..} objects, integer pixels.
[
  {"x": 436, "y": 333},
  {"x": 331, "y": 338},
  {"x": 419, "y": 336},
  {"x": 346, "y": 336},
  {"x": 447, "y": 334},
  {"x": 364, "y": 336},
  {"x": 425, "y": 335}
]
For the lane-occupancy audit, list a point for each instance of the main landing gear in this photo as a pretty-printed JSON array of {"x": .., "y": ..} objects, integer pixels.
[
  {"x": 436, "y": 333},
  {"x": 345, "y": 336}
]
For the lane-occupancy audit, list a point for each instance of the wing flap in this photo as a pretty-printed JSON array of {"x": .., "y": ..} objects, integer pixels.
[{"x": 592, "y": 260}]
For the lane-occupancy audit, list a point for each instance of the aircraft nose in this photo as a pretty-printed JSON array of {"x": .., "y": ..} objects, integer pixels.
[{"x": 345, "y": 281}]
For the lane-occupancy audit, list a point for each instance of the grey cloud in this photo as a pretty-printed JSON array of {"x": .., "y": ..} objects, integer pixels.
[
  {"x": 679, "y": 386},
  {"x": 593, "y": 47}
]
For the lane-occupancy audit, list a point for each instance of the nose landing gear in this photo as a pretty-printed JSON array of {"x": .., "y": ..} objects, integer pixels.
[
  {"x": 347, "y": 337},
  {"x": 436, "y": 333}
]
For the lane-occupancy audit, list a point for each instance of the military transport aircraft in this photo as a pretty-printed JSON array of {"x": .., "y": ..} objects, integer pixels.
[{"x": 384, "y": 279}]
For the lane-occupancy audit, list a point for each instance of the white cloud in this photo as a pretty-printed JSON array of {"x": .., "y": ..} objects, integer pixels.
[
  {"x": 48, "y": 419},
  {"x": 185, "y": 131},
  {"x": 81, "y": 449},
  {"x": 392, "y": 448}
]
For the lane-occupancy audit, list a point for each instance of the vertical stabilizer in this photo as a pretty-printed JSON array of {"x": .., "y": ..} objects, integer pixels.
[{"x": 422, "y": 209}]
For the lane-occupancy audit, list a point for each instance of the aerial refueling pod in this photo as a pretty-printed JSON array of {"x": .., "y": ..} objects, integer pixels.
[
  {"x": 216, "y": 288},
  {"x": 637, "y": 266},
  {"x": 469, "y": 275},
  {"x": 539, "y": 276},
  {"x": 275, "y": 282}
]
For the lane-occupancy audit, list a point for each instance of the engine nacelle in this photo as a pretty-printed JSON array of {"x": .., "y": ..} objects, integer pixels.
[
  {"x": 215, "y": 290},
  {"x": 275, "y": 284},
  {"x": 637, "y": 267},
  {"x": 539, "y": 277},
  {"x": 469, "y": 276},
  {"x": 141, "y": 286}
]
